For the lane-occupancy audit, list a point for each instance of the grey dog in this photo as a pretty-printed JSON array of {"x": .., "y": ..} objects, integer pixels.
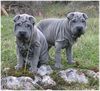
[
  {"x": 62, "y": 33},
  {"x": 31, "y": 43}
]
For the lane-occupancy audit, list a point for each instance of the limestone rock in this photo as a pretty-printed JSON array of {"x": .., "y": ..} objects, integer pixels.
[
  {"x": 16, "y": 83},
  {"x": 27, "y": 83},
  {"x": 72, "y": 75},
  {"x": 92, "y": 74},
  {"x": 47, "y": 80},
  {"x": 44, "y": 70},
  {"x": 43, "y": 78}
]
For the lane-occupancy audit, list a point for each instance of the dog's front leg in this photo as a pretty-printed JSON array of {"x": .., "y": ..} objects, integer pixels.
[
  {"x": 20, "y": 60},
  {"x": 58, "y": 55},
  {"x": 69, "y": 54},
  {"x": 34, "y": 60}
]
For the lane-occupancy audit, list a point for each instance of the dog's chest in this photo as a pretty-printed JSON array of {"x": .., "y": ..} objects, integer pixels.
[{"x": 26, "y": 50}]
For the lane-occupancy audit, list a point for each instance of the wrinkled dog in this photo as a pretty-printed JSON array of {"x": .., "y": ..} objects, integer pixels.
[
  {"x": 31, "y": 43},
  {"x": 62, "y": 33}
]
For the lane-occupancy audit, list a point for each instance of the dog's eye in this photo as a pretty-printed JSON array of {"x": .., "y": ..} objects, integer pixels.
[
  {"x": 83, "y": 20},
  {"x": 33, "y": 24},
  {"x": 28, "y": 26},
  {"x": 19, "y": 24}
]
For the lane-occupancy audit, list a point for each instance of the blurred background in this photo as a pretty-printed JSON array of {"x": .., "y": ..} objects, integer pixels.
[{"x": 49, "y": 8}]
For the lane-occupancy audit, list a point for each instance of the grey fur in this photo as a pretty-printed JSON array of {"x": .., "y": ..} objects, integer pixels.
[
  {"x": 62, "y": 33},
  {"x": 29, "y": 38}
]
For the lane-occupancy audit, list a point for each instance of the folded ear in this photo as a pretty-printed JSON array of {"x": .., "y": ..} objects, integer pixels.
[
  {"x": 32, "y": 19},
  {"x": 16, "y": 18},
  {"x": 70, "y": 15},
  {"x": 85, "y": 16}
]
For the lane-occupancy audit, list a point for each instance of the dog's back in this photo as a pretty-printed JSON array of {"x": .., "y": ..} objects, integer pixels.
[
  {"x": 50, "y": 27},
  {"x": 44, "y": 24}
]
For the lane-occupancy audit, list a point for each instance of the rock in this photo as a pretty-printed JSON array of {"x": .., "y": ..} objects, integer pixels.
[
  {"x": 43, "y": 78},
  {"x": 92, "y": 74},
  {"x": 16, "y": 83},
  {"x": 48, "y": 81},
  {"x": 37, "y": 79},
  {"x": 44, "y": 70},
  {"x": 98, "y": 75},
  {"x": 72, "y": 75},
  {"x": 27, "y": 83},
  {"x": 10, "y": 83}
]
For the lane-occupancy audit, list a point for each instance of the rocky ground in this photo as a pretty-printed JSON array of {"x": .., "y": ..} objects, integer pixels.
[{"x": 44, "y": 80}]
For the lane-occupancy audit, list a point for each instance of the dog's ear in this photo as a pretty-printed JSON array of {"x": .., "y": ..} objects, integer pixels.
[
  {"x": 32, "y": 19},
  {"x": 85, "y": 16},
  {"x": 16, "y": 18},
  {"x": 70, "y": 15}
]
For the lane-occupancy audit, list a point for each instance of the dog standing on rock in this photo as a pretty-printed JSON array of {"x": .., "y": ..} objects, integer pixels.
[
  {"x": 62, "y": 33},
  {"x": 31, "y": 43}
]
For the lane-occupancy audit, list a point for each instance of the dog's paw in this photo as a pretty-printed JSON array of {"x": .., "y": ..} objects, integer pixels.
[
  {"x": 33, "y": 70},
  {"x": 71, "y": 62},
  {"x": 58, "y": 65},
  {"x": 17, "y": 67}
]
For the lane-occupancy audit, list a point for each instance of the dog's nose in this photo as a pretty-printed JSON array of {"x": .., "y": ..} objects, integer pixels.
[
  {"x": 22, "y": 33},
  {"x": 79, "y": 28}
]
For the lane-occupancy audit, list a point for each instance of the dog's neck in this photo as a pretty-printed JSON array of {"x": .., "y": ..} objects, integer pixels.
[{"x": 22, "y": 44}]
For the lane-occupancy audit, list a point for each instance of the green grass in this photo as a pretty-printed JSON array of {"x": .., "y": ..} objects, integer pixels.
[{"x": 85, "y": 50}]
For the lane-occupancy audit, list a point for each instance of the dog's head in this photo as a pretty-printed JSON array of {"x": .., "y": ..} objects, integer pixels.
[
  {"x": 77, "y": 23},
  {"x": 24, "y": 26}
]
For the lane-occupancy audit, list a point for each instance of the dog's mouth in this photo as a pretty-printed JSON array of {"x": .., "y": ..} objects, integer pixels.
[
  {"x": 23, "y": 38},
  {"x": 78, "y": 34}
]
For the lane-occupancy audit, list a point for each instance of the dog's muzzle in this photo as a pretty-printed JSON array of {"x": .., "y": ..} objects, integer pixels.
[
  {"x": 22, "y": 34},
  {"x": 79, "y": 29}
]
